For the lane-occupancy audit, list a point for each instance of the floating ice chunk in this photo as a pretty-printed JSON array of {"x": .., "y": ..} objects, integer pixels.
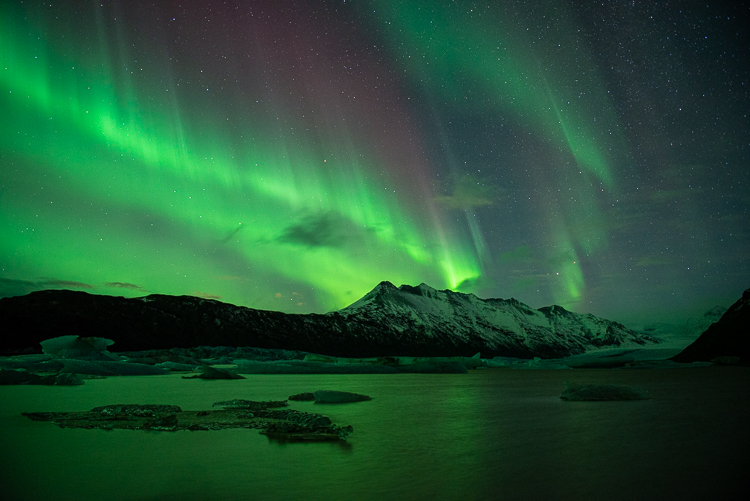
[
  {"x": 519, "y": 363},
  {"x": 594, "y": 392},
  {"x": 239, "y": 403},
  {"x": 217, "y": 361},
  {"x": 214, "y": 373},
  {"x": 501, "y": 361},
  {"x": 175, "y": 366},
  {"x": 110, "y": 368},
  {"x": 468, "y": 362},
  {"x": 85, "y": 348},
  {"x": 600, "y": 362},
  {"x": 37, "y": 364},
  {"x": 539, "y": 363}
]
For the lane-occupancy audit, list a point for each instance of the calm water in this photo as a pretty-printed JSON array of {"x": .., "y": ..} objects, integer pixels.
[{"x": 491, "y": 434}]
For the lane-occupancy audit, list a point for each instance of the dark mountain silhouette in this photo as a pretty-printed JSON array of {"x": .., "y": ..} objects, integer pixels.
[
  {"x": 729, "y": 337},
  {"x": 408, "y": 320}
]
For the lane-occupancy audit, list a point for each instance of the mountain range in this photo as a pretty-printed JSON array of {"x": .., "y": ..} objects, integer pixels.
[{"x": 387, "y": 321}]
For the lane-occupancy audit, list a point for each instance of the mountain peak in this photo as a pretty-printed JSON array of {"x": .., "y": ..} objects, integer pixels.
[{"x": 384, "y": 286}]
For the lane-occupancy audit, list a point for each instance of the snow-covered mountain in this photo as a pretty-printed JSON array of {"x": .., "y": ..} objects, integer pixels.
[
  {"x": 387, "y": 321},
  {"x": 454, "y": 319}
]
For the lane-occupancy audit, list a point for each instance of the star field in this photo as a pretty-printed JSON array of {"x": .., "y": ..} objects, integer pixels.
[{"x": 291, "y": 155}]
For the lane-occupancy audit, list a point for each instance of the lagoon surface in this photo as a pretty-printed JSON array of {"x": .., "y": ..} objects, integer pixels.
[{"x": 489, "y": 434}]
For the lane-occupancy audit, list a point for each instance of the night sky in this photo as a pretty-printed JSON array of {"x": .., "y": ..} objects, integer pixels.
[{"x": 291, "y": 155}]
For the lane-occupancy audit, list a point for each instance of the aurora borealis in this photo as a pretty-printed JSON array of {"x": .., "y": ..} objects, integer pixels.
[{"x": 291, "y": 155}]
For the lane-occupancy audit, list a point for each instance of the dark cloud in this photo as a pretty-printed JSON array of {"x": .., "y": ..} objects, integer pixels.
[
  {"x": 10, "y": 287},
  {"x": 124, "y": 285},
  {"x": 327, "y": 229},
  {"x": 205, "y": 295}
]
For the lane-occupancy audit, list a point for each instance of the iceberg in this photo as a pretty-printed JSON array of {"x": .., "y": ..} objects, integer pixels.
[
  {"x": 35, "y": 363},
  {"x": 85, "y": 348},
  {"x": 592, "y": 361},
  {"x": 519, "y": 363},
  {"x": 214, "y": 373},
  {"x": 176, "y": 366}
]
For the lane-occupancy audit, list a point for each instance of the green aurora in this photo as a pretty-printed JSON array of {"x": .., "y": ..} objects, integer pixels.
[{"x": 290, "y": 158}]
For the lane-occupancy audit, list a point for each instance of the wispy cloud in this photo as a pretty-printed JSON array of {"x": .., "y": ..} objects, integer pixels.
[
  {"x": 53, "y": 283},
  {"x": 10, "y": 287},
  {"x": 326, "y": 229},
  {"x": 124, "y": 285}
]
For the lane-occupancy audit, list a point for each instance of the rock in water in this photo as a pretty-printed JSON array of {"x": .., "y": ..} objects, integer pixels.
[
  {"x": 135, "y": 410},
  {"x": 338, "y": 397},
  {"x": 304, "y": 397},
  {"x": 239, "y": 403},
  {"x": 600, "y": 392},
  {"x": 287, "y": 424}
]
